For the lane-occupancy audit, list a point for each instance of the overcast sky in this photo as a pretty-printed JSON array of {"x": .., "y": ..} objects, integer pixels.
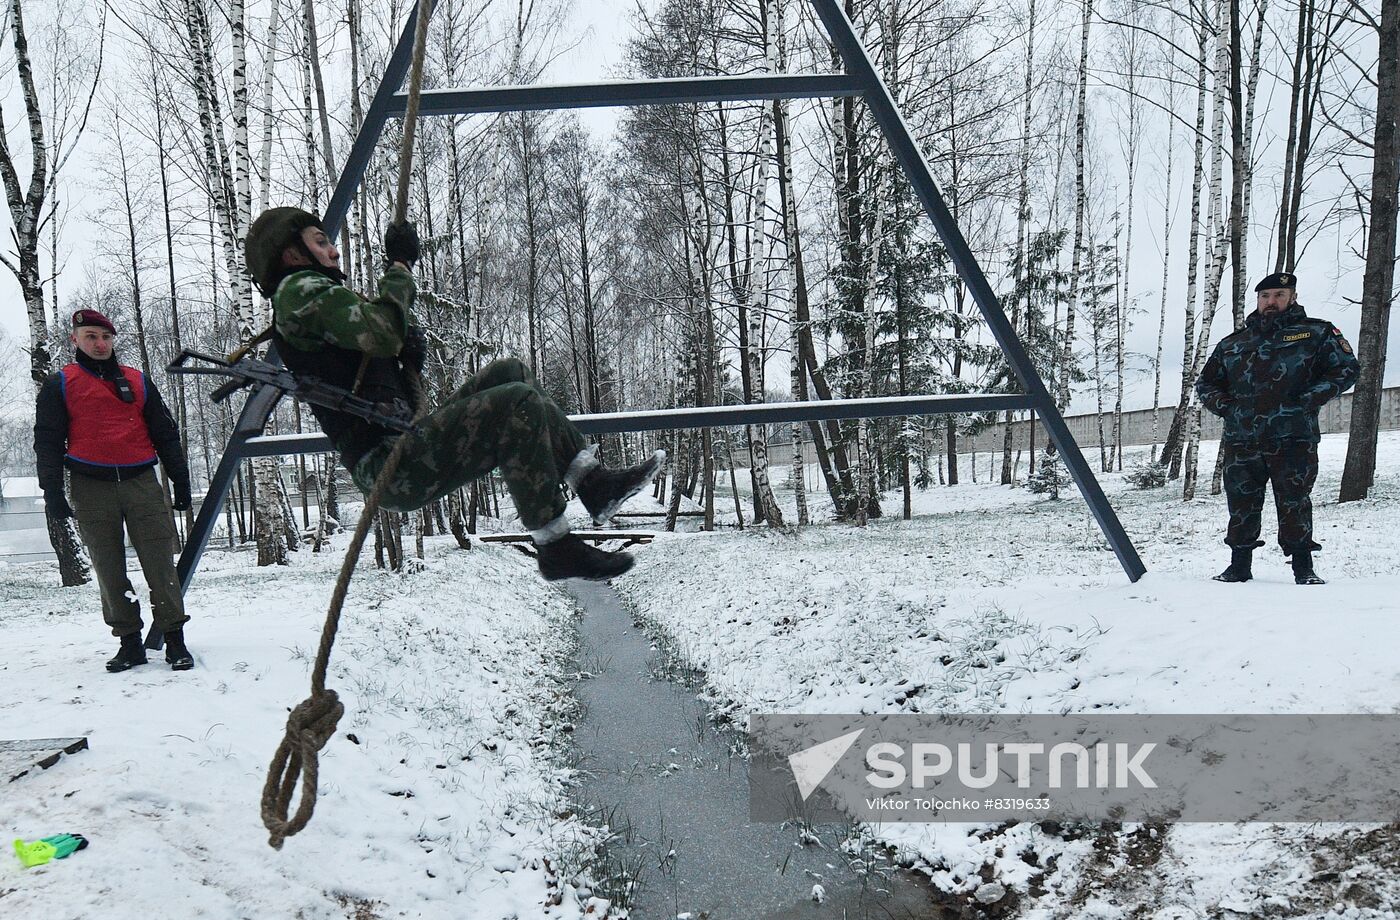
[{"x": 1328, "y": 273}]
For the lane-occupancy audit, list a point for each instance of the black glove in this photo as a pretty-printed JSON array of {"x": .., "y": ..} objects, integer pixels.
[
  {"x": 401, "y": 244},
  {"x": 414, "y": 353},
  {"x": 183, "y": 500},
  {"x": 56, "y": 505}
]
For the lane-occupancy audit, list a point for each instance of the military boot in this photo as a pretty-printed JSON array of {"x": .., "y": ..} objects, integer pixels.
[
  {"x": 131, "y": 654},
  {"x": 1241, "y": 564},
  {"x": 603, "y": 491},
  {"x": 570, "y": 557},
  {"x": 178, "y": 657},
  {"x": 1303, "y": 573}
]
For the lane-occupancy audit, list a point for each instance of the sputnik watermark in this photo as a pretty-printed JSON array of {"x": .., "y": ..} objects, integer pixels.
[
  {"x": 1116, "y": 766},
  {"x": 925, "y": 767}
]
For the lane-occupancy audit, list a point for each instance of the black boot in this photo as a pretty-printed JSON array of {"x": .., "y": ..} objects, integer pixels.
[
  {"x": 1303, "y": 573},
  {"x": 176, "y": 654},
  {"x": 131, "y": 654},
  {"x": 570, "y": 557},
  {"x": 603, "y": 491},
  {"x": 1241, "y": 564}
]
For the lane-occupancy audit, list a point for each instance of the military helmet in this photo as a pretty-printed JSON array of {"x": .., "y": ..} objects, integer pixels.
[{"x": 273, "y": 231}]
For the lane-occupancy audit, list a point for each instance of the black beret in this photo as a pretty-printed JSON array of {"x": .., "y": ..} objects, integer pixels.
[{"x": 1277, "y": 280}]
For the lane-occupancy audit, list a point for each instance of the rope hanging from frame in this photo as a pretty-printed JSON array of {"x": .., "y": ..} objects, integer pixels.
[{"x": 313, "y": 721}]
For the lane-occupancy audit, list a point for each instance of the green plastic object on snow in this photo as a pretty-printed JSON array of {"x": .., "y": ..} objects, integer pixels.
[{"x": 45, "y": 849}]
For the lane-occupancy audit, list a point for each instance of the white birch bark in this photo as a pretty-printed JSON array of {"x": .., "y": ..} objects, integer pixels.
[
  {"x": 1251, "y": 91},
  {"x": 1216, "y": 247},
  {"x": 26, "y": 207},
  {"x": 1125, "y": 266},
  {"x": 1237, "y": 303},
  {"x": 1023, "y": 216},
  {"x": 789, "y": 210},
  {"x": 866, "y": 465},
  {"x": 1080, "y": 203},
  {"x": 242, "y": 165},
  {"x": 1096, "y": 324},
  {"x": 219, "y": 182},
  {"x": 270, "y": 513},
  {"x": 760, "y": 216},
  {"x": 274, "y": 31},
  {"x": 1166, "y": 262},
  {"x": 1176, "y": 437}
]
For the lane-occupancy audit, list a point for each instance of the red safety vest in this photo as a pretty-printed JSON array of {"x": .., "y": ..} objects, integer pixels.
[{"x": 103, "y": 430}]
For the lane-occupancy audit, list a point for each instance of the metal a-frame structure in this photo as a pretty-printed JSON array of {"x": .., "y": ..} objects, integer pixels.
[{"x": 860, "y": 80}]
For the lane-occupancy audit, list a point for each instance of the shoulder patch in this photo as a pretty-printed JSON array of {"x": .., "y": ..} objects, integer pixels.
[{"x": 1342, "y": 340}]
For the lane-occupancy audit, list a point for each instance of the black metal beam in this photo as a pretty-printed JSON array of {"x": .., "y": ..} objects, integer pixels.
[
  {"x": 357, "y": 160},
  {"x": 772, "y": 413},
  {"x": 861, "y": 79},
  {"x": 478, "y": 100},
  {"x": 709, "y": 417},
  {"x": 287, "y": 445},
  {"x": 251, "y": 422},
  {"x": 916, "y": 168}
]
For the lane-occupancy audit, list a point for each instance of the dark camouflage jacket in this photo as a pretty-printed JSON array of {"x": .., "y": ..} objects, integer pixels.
[
  {"x": 323, "y": 328},
  {"x": 1268, "y": 379},
  {"x": 312, "y": 310}
]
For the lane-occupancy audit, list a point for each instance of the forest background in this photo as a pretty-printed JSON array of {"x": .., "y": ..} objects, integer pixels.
[{"x": 1124, "y": 170}]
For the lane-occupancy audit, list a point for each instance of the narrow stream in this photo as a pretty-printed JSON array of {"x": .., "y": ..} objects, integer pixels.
[{"x": 663, "y": 779}]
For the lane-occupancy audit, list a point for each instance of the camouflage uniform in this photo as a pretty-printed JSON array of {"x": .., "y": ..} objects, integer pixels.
[
  {"x": 1267, "y": 381},
  {"x": 499, "y": 418}
]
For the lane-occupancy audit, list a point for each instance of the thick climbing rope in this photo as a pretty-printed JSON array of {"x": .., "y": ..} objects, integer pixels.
[{"x": 313, "y": 721}]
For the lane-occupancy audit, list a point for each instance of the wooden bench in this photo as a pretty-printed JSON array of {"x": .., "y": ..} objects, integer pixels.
[{"x": 522, "y": 541}]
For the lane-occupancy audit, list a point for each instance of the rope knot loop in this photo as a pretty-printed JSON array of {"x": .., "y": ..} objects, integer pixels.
[
  {"x": 314, "y": 719},
  {"x": 309, "y": 726}
]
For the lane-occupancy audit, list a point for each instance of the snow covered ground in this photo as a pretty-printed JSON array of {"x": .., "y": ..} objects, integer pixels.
[
  {"x": 992, "y": 600},
  {"x": 446, "y": 803},
  {"x": 451, "y": 800}
]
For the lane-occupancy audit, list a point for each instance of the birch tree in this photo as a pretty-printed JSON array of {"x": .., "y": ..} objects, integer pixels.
[
  {"x": 1080, "y": 205},
  {"x": 797, "y": 379},
  {"x": 1023, "y": 214},
  {"x": 1176, "y": 433},
  {"x": 758, "y": 234},
  {"x": 26, "y": 208},
  {"x": 1216, "y": 248}
]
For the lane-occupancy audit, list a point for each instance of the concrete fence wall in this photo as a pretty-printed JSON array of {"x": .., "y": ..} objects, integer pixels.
[{"x": 1335, "y": 417}]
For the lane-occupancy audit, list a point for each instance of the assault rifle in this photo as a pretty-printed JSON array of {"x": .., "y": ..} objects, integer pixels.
[{"x": 248, "y": 371}]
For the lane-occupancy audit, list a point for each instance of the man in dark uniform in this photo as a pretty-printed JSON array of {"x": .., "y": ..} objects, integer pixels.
[
  {"x": 1267, "y": 381},
  {"x": 107, "y": 424},
  {"x": 498, "y": 419}
]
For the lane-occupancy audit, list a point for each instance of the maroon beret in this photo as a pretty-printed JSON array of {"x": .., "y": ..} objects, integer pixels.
[{"x": 92, "y": 318}]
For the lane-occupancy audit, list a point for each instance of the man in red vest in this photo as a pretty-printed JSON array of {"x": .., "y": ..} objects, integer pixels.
[{"x": 107, "y": 424}]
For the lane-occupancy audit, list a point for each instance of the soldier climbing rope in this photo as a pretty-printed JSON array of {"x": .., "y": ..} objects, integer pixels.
[{"x": 313, "y": 721}]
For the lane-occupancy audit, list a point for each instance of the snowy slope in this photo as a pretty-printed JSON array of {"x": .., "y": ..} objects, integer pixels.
[
  {"x": 447, "y": 804},
  {"x": 452, "y": 802},
  {"x": 999, "y": 601}
]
